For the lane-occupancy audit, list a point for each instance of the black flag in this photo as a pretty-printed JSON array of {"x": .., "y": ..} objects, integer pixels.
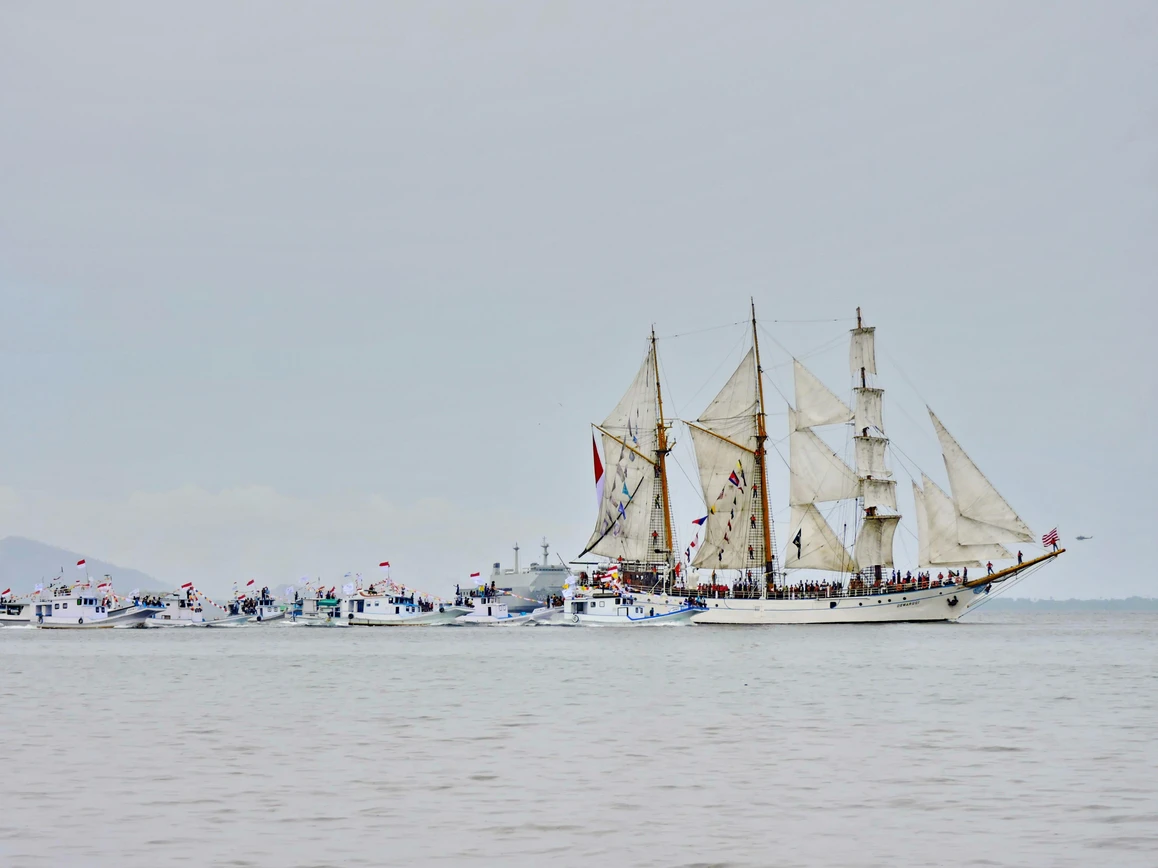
[{"x": 796, "y": 542}]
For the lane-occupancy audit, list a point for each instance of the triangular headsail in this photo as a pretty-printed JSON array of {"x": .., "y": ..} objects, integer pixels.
[
  {"x": 984, "y": 516},
  {"x": 938, "y": 539}
]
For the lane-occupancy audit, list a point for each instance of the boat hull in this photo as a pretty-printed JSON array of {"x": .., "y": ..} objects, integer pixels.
[
  {"x": 679, "y": 616},
  {"x": 135, "y": 617},
  {"x": 424, "y": 619},
  {"x": 931, "y": 604}
]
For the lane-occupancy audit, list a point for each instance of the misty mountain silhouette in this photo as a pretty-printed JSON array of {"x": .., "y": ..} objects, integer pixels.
[{"x": 24, "y": 563}]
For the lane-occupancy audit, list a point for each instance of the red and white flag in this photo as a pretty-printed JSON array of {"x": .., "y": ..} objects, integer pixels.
[
  {"x": 474, "y": 577},
  {"x": 186, "y": 586},
  {"x": 104, "y": 585},
  {"x": 1050, "y": 539},
  {"x": 598, "y": 474},
  {"x": 6, "y": 593},
  {"x": 250, "y": 582},
  {"x": 80, "y": 564},
  {"x": 385, "y": 565}
]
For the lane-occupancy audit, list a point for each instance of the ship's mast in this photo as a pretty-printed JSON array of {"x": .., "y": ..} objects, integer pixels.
[
  {"x": 761, "y": 439},
  {"x": 661, "y": 453}
]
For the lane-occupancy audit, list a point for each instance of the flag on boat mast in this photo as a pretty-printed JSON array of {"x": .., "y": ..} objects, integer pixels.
[
  {"x": 1050, "y": 539},
  {"x": 80, "y": 565}
]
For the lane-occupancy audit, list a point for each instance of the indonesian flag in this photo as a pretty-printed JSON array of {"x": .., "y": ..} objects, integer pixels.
[
  {"x": 598, "y": 473},
  {"x": 250, "y": 582},
  {"x": 6, "y": 592},
  {"x": 80, "y": 564},
  {"x": 186, "y": 586},
  {"x": 385, "y": 565},
  {"x": 475, "y": 577},
  {"x": 241, "y": 595}
]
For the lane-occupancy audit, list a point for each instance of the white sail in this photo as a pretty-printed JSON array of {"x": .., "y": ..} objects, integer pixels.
[
  {"x": 724, "y": 438},
  {"x": 870, "y": 456},
  {"x": 629, "y": 437},
  {"x": 815, "y": 402},
  {"x": 862, "y": 351},
  {"x": 874, "y": 543},
  {"x": 879, "y": 493},
  {"x": 988, "y": 518},
  {"x": 922, "y": 526},
  {"x": 816, "y": 473},
  {"x": 818, "y": 548},
  {"x": 943, "y": 549},
  {"x": 870, "y": 410}
]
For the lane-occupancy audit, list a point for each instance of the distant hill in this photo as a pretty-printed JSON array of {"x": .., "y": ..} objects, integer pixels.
[
  {"x": 1127, "y": 604},
  {"x": 24, "y": 563}
]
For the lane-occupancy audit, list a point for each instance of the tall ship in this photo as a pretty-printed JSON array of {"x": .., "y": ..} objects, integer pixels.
[
  {"x": 824, "y": 575},
  {"x": 633, "y": 530}
]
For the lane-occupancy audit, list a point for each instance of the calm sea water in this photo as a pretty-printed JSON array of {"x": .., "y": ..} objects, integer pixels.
[{"x": 1006, "y": 740}]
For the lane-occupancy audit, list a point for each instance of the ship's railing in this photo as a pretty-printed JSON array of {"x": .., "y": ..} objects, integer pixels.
[{"x": 810, "y": 592}]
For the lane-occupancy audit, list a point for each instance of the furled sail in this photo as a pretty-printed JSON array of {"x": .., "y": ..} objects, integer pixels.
[
  {"x": 870, "y": 410},
  {"x": 862, "y": 351},
  {"x": 984, "y": 516},
  {"x": 813, "y": 545},
  {"x": 874, "y": 543},
  {"x": 816, "y": 473},
  {"x": 941, "y": 528},
  {"x": 870, "y": 456},
  {"x": 815, "y": 402},
  {"x": 724, "y": 438},
  {"x": 622, "y": 529}
]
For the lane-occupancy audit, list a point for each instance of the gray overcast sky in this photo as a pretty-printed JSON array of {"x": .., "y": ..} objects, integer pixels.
[{"x": 292, "y": 288}]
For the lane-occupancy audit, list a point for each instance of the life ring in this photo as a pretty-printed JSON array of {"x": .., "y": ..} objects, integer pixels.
[
  {"x": 39, "y": 619},
  {"x": 80, "y": 620},
  {"x": 574, "y": 619}
]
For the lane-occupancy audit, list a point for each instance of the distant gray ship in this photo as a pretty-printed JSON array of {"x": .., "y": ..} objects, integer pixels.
[{"x": 531, "y": 587}]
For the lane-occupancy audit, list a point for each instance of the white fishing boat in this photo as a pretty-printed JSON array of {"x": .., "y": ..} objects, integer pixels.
[
  {"x": 611, "y": 608},
  {"x": 187, "y": 608},
  {"x": 490, "y": 610},
  {"x": 82, "y": 608},
  {"x": 15, "y": 613},
  {"x": 395, "y": 607},
  {"x": 740, "y": 579},
  {"x": 318, "y": 611},
  {"x": 266, "y": 610}
]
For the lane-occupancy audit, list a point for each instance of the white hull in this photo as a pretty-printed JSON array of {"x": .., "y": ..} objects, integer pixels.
[
  {"x": 931, "y": 604},
  {"x": 16, "y": 620},
  {"x": 135, "y": 617},
  {"x": 476, "y": 620},
  {"x": 681, "y": 616},
  {"x": 266, "y": 617},
  {"x": 316, "y": 621},
  {"x": 229, "y": 621},
  {"x": 424, "y": 619}
]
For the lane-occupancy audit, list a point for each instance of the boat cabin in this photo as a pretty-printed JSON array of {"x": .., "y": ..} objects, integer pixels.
[{"x": 80, "y": 609}]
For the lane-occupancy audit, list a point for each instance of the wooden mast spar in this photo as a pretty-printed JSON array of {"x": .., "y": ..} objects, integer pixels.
[
  {"x": 761, "y": 439},
  {"x": 661, "y": 451}
]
